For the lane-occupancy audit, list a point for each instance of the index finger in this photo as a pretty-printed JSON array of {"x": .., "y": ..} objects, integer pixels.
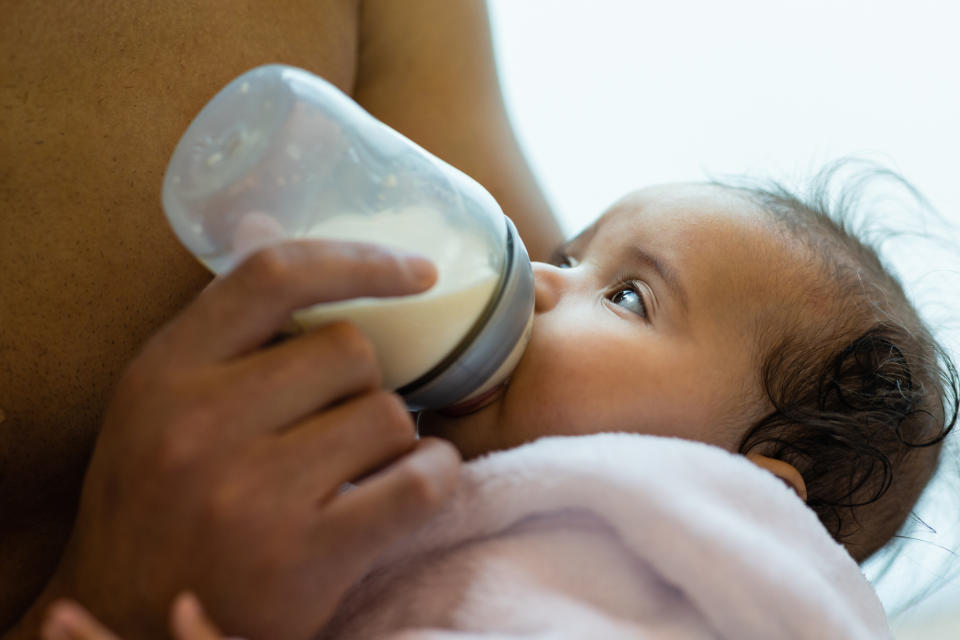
[
  {"x": 67, "y": 619},
  {"x": 189, "y": 621},
  {"x": 242, "y": 310}
]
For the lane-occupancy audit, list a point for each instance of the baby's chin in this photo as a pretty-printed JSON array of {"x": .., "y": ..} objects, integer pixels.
[{"x": 473, "y": 434}]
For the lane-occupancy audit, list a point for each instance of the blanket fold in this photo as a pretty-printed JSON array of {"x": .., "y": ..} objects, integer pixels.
[{"x": 615, "y": 536}]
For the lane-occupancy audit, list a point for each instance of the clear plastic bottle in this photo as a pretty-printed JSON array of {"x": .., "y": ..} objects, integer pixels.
[{"x": 282, "y": 154}]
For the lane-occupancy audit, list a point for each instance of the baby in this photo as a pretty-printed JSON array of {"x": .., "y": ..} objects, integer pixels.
[{"x": 744, "y": 318}]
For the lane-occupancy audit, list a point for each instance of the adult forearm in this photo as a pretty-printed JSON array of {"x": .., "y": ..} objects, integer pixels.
[{"x": 426, "y": 68}]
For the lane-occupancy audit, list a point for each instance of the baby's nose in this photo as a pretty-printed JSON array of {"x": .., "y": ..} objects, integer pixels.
[{"x": 548, "y": 284}]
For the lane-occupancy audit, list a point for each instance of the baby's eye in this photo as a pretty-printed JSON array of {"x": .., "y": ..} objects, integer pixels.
[
  {"x": 565, "y": 262},
  {"x": 626, "y": 295}
]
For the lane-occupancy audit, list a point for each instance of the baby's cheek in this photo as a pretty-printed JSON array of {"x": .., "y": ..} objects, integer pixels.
[
  {"x": 554, "y": 402},
  {"x": 557, "y": 382}
]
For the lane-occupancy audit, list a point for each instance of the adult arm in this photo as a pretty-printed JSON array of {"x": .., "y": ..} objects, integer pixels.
[{"x": 427, "y": 69}]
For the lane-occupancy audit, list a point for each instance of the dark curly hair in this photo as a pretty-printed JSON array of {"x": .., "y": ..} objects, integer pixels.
[{"x": 862, "y": 394}]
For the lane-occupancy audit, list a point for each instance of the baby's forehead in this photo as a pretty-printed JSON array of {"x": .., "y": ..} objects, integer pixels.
[
  {"x": 686, "y": 202},
  {"x": 722, "y": 244},
  {"x": 682, "y": 219}
]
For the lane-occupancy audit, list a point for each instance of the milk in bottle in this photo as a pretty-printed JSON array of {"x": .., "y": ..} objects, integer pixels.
[{"x": 281, "y": 154}]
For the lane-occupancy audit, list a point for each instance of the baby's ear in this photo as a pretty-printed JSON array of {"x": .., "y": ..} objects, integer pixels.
[{"x": 783, "y": 470}]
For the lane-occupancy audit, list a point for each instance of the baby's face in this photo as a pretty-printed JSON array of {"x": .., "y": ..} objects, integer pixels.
[{"x": 648, "y": 325}]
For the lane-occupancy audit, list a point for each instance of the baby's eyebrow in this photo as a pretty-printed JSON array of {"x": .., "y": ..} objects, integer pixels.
[
  {"x": 563, "y": 249},
  {"x": 663, "y": 269},
  {"x": 558, "y": 254}
]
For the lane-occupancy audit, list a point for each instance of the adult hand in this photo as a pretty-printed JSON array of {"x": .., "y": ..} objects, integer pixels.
[{"x": 220, "y": 463}]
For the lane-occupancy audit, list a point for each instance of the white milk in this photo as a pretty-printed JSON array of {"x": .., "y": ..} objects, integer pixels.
[{"x": 411, "y": 334}]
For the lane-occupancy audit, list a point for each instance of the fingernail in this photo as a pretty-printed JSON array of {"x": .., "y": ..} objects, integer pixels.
[
  {"x": 441, "y": 460},
  {"x": 420, "y": 269},
  {"x": 191, "y": 605},
  {"x": 186, "y": 613},
  {"x": 59, "y": 625}
]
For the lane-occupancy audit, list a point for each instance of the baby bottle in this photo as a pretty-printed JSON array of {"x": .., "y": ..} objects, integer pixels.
[{"x": 282, "y": 154}]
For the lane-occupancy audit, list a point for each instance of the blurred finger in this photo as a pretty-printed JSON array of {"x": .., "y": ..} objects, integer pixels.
[
  {"x": 244, "y": 309},
  {"x": 188, "y": 621},
  {"x": 67, "y": 620}
]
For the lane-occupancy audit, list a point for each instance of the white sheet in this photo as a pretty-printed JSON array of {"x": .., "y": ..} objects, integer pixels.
[{"x": 616, "y": 536}]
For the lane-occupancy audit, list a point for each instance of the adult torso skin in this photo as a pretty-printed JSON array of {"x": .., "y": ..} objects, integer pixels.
[{"x": 94, "y": 96}]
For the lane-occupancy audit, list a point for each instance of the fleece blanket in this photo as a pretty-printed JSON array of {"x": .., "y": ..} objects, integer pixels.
[{"x": 614, "y": 536}]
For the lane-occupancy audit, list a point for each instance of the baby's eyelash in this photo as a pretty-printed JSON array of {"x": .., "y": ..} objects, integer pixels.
[
  {"x": 560, "y": 258},
  {"x": 625, "y": 282}
]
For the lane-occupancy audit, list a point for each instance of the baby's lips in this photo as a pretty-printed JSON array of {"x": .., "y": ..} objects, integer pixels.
[{"x": 475, "y": 404}]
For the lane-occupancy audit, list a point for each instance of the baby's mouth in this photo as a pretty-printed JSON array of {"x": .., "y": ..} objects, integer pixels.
[{"x": 477, "y": 403}]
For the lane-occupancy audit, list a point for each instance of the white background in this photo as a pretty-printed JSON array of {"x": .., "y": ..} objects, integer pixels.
[{"x": 608, "y": 96}]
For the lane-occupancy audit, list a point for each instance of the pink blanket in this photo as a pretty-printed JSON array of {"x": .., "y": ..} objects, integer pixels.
[{"x": 616, "y": 536}]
